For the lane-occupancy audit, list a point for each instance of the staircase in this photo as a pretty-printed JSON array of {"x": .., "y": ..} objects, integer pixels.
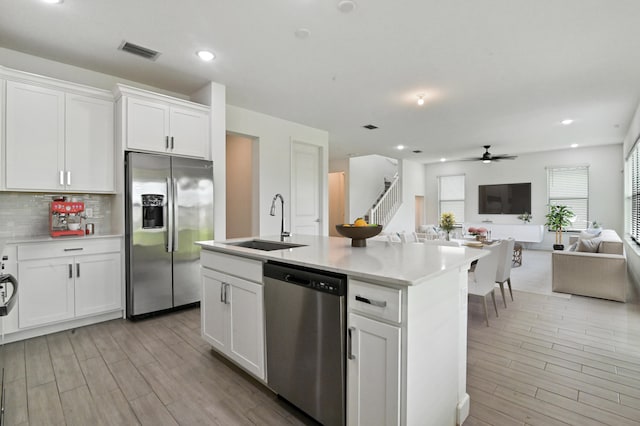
[{"x": 387, "y": 203}]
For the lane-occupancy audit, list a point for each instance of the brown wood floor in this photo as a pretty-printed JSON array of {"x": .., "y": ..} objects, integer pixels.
[
  {"x": 552, "y": 361},
  {"x": 545, "y": 361},
  {"x": 152, "y": 372}
]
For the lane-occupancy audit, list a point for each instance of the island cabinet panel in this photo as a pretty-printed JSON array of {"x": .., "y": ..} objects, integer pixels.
[
  {"x": 373, "y": 394},
  {"x": 233, "y": 319},
  {"x": 57, "y": 140}
]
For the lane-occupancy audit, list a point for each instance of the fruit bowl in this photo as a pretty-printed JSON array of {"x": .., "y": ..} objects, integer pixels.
[{"x": 358, "y": 234}]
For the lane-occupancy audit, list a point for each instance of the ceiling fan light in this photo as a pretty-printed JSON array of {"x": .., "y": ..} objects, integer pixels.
[{"x": 486, "y": 161}]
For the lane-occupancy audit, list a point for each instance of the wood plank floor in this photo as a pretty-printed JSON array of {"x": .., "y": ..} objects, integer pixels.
[
  {"x": 554, "y": 361},
  {"x": 544, "y": 361},
  {"x": 151, "y": 372}
]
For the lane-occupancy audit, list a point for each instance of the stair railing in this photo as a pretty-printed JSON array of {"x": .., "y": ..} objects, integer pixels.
[{"x": 382, "y": 212}]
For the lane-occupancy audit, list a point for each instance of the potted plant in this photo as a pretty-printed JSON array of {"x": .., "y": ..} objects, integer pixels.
[
  {"x": 447, "y": 222},
  {"x": 558, "y": 218},
  {"x": 525, "y": 217}
]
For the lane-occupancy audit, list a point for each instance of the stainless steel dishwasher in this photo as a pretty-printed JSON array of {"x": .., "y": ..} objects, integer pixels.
[{"x": 305, "y": 324}]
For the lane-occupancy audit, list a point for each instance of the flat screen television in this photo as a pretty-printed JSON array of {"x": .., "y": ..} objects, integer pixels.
[{"x": 509, "y": 198}]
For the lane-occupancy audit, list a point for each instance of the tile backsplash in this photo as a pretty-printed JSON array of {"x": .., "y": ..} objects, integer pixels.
[{"x": 25, "y": 214}]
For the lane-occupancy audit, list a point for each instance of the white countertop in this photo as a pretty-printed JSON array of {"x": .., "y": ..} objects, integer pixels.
[
  {"x": 48, "y": 238},
  {"x": 394, "y": 263}
]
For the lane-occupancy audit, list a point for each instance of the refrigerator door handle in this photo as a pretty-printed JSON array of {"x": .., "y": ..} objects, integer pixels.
[
  {"x": 169, "y": 214},
  {"x": 174, "y": 224}
]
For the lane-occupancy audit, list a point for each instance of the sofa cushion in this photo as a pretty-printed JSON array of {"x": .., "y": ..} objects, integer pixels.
[{"x": 589, "y": 245}]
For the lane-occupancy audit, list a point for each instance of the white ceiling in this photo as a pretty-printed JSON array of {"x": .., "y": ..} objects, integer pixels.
[{"x": 498, "y": 72}]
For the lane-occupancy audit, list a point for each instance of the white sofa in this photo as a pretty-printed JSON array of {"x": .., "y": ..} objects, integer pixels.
[{"x": 602, "y": 274}]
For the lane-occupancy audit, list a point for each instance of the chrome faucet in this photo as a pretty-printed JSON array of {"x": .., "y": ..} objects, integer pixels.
[{"x": 272, "y": 212}]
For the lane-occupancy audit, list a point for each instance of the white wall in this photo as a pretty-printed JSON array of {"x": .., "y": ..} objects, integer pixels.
[
  {"x": 366, "y": 182},
  {"x": 274, "y": 160},
  {"x": 36, "y": 65},
  {"x": 605, "y": 184}
]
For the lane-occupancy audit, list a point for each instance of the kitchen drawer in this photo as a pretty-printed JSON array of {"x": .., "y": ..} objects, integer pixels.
[
  {"x": 76, "y": 247},
  {"x": 375, "y": 300},
  {"x": 233, "y": 265}
]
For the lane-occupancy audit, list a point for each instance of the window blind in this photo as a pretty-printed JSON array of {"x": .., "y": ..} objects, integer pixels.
[
  {"x": 569, "y": 186},
  {"x": 451, "y": 196},
  {"x": 635, "y": 194}
]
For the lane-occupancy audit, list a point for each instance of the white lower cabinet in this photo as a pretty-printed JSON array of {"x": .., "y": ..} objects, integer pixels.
[
  {"x": 233, "y": 319},
  {"x": 373, "y": 368},
  {"x": 46, "y": 291},
  {"x": 54, "y": 289}
]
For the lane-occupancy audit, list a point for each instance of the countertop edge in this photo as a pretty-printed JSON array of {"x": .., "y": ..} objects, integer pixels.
[{"x": 222, "y": 247}]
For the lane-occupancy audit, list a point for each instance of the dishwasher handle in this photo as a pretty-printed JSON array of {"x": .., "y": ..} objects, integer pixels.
[{"x": 293, "y": 279}]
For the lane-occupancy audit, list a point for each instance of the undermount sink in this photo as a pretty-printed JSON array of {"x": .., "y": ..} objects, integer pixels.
[{"x": 265, "y": 245}]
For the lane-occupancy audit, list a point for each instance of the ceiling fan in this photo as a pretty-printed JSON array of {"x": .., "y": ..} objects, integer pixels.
[{"x": 487, "y": 157}]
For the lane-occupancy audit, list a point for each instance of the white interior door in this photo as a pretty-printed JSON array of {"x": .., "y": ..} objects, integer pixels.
[{"x": 306, "y": 189}]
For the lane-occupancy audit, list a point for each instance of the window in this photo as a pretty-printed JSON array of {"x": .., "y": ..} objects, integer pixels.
[
  {"x": 633, "y": 197},
  {"x": 451, "y": 196},
  {"x": 569, "y": 186}
]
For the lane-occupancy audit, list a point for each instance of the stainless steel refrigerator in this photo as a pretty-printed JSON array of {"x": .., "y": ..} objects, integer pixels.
[{"x": 169, "y": 206}]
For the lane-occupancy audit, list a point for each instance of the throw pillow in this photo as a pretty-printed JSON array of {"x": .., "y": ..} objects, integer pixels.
[
  {"x": 593, "y": 231},
  {"x": 585, "y": 235},
  {"x": 573, "y": 246},
  {"x": 589, "y": 245}
]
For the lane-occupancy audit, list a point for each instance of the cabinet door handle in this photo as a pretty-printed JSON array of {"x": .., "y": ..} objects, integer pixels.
[
  {"x": 166, "y": 142},
  {"x": 73, "y": 249},
  {"x": 77, "y": 270},
  {"x": 350, "y": 354},
  {"x": 70, "y": 270},
  {"x": 61, "y": 178},
  {"x": 222, "y": 292},
  {"x": 171, "y": 142},
  {"x": 68, "y": 178},
  {"x": 378, "y": 303},
  {"x": 226, "y": 294}
]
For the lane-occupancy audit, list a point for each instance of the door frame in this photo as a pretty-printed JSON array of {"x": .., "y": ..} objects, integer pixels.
[{"x": 323, "y": 178}]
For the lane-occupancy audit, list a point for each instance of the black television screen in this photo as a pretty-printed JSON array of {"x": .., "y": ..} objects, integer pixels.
[{"x": 509, "y": 198}]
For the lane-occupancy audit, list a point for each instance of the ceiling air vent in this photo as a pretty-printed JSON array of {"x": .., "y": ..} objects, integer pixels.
[
  {"x": 370, "y": 127},
  {"x": 139, "y": 50}
]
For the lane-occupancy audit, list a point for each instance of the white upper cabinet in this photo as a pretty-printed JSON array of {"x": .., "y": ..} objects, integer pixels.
[
  {"x": 147, "y": 125},
  {"x": 89, "y": 143},
  {"x": 162, "y": 124},
  {"x": 35, "y": 137},
  {"x": 57, "y": 137}
]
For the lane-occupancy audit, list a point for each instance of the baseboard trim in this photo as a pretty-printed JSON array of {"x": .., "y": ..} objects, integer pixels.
[{"x": 462, "y": 410}]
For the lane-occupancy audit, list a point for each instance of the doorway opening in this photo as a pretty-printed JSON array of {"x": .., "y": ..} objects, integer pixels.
[
  {"x": 420, "y": 219},
  {"x": 336, "y": 202},
  {"x": 242, "y": 177}
]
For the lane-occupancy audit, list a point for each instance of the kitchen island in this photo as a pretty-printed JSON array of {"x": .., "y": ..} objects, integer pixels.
[{"x": 407, "y": 361}]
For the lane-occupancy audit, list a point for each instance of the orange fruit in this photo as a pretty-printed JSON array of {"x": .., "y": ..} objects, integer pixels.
[{"x": 360, "y": 222}]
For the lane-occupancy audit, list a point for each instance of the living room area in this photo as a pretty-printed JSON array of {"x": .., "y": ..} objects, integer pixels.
[{"x": 548, "y": 357}]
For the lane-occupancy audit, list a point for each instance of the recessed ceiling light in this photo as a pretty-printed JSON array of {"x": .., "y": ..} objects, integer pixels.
[
  {"x": 574, "y": 145},
  {"x": 346, "y": 6},
  {"x": 205, "y": 55},
  {"x": 302, "y": 33},
  {"x": 400, "y": 147},
  {"x": 442, "y": 160},
  {"x": 53, "y": 1},
  {"x": 566, "y": 122},
  {"x": 421, "y": 99}
]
